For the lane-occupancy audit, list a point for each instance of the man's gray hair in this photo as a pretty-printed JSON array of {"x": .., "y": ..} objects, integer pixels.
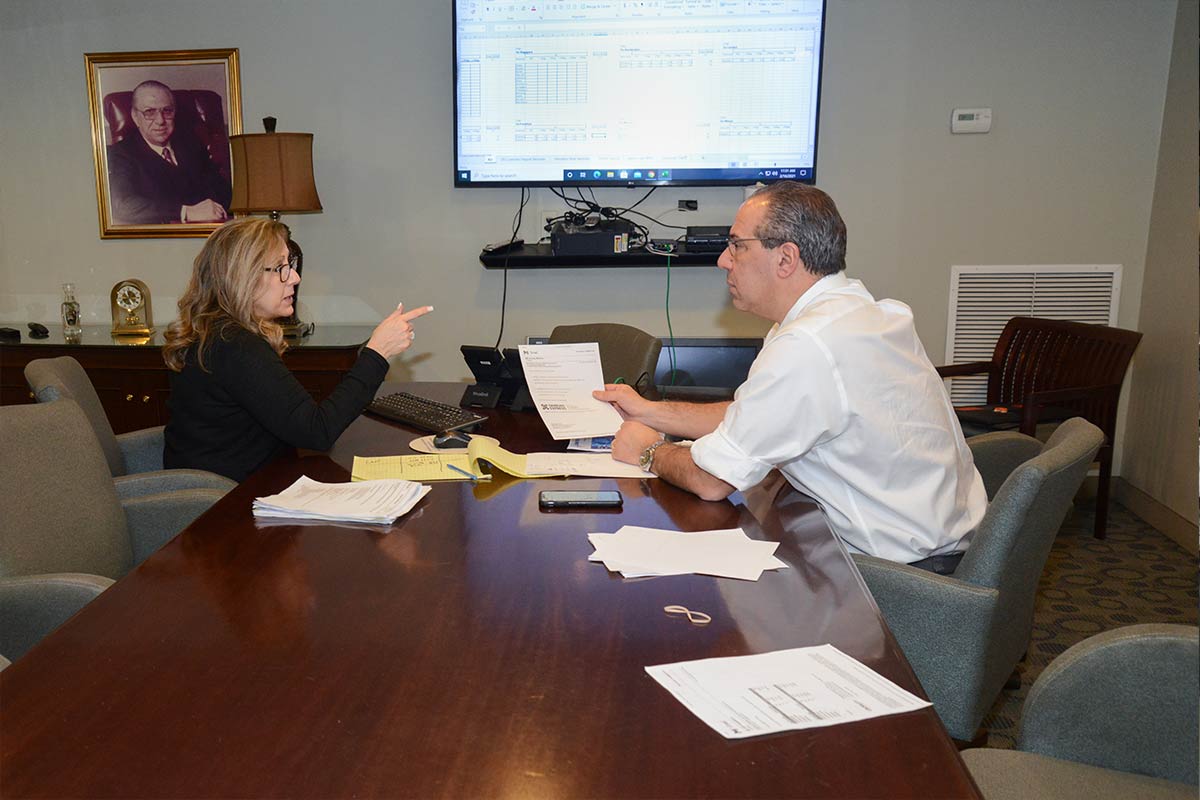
[{"x": 807, "y": 217}]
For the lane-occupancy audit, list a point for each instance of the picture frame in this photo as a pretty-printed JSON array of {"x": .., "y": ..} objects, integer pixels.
[{"x": 161, "y": 122}]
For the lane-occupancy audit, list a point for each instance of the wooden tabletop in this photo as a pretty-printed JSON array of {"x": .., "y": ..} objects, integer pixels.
[{"x": 470, "y": 650}]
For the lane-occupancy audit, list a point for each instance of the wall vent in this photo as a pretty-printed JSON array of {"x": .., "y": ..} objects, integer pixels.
[{"x": 983, "y": 299}]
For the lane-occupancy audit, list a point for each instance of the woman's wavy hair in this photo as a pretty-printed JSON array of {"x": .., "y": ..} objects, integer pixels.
[{"x": 225, "y": 279}]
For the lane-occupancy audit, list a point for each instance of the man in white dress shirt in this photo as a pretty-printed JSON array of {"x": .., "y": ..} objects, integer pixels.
[{"x": 842, "y": 399}]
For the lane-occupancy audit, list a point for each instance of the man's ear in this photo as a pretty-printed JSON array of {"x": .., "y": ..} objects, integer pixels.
[{"x": 789, "y": 260}]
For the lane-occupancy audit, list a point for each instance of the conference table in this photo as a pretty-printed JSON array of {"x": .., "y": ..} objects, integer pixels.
[{"x": 468, "y": 650}]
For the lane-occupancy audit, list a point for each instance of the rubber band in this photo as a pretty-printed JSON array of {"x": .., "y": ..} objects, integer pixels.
[{"x": 694, "y": 617}]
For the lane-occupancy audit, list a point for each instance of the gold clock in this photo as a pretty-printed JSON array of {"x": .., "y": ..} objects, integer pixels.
[{"x": 131, "y": 313}]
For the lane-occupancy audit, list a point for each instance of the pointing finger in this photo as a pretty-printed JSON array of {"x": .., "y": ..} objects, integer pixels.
[{"x": 418, "y": 312}]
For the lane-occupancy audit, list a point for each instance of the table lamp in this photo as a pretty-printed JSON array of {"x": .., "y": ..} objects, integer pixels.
[{"x": 273, "y": 172}]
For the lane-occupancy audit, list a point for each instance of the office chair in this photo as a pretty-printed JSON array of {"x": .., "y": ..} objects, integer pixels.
[
  {"x": 1114, "y": 716},
  {"x": 964, "y": 633},
  {"x": 625, "y": 352},
  {"x": 134, "y": 459},
  {"x": 1045, "y": 371},
  {"x": 70, "y": 535}
]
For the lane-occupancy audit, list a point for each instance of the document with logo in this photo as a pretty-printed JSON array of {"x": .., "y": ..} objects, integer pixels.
[
  {"x": 787, "y": 690},
  {"x": 561, "y": 379}
]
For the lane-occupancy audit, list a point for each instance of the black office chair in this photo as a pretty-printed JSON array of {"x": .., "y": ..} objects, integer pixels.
[{"x": 625, "y": 352}]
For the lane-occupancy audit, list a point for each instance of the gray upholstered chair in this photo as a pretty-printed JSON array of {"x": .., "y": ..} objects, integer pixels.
[
  {"x": 65, "y": 535},
  {"x": 964, "y": 633},
  {"x": 625, "y": 352},
  {"x": 135, "y": 459},
  {"x": 1115, "y": 716}
]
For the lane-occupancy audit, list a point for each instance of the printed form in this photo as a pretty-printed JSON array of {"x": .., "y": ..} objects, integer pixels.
[
  {"x": 561, "y": 379},
  {"x": 787, "y": 690}
]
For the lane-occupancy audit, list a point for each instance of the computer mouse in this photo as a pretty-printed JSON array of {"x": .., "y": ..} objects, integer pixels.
[
  {"x": 10, "y": 335},
  {"x": 451, "y": 440},
  {"x": 38, "y": 331}
]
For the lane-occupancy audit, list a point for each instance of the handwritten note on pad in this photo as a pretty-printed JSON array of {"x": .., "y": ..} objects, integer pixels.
[
  {"x": 460, "y": 466},
  {"x": 422, "y": 468}
]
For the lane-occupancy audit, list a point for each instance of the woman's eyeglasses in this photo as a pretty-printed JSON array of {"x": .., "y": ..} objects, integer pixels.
[{"x": 284, "y": 270}]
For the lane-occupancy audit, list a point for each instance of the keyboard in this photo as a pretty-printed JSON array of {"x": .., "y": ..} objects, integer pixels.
[{"x": 419, "y": 412}]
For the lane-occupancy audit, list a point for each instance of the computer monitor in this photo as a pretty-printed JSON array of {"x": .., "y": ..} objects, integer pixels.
[
  {"x": 704, "y": 368},
  {"x": 646, "y": 93}
]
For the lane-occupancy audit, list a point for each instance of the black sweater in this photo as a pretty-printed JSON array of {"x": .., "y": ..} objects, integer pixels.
[{"x": 245, "y": 407}]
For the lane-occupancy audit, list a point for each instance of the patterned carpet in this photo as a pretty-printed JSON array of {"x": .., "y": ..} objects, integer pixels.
[{"x": 1089, "y": 585}]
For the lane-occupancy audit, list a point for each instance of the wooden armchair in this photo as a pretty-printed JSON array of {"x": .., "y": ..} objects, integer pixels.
[{"x": 1046, "y": 370}]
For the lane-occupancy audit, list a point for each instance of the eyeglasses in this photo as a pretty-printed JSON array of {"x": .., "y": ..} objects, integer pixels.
[
  {"x": 148, "y": 114},
  {"x": 738, "y": 245},
  {"x": 284, "y": 270}
]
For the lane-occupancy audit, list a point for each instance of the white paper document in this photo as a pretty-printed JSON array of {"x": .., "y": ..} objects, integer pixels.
[
  {"x": 636, "y": 552},
  {"x": 561, "y": 379},
  {"x": 787, "y": 690},
  {"x": 593, "y": 465},
  {"x": 378, "y": 502}
]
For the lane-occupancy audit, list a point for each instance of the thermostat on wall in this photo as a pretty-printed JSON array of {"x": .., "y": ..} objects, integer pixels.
[{"x": 971, "y": 120}]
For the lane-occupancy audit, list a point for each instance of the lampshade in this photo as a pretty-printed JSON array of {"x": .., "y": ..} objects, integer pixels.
[{"x": 273, "y": 172}]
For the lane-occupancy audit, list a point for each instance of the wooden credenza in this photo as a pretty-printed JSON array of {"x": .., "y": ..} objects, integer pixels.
[{"x": 131, "y": 378}]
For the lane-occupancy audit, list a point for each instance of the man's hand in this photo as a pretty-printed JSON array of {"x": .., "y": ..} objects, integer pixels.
[
  {"x": 628, "y": 403},
  {"x": 631, "y": 440},
  {"x": 204, "y": 211}
]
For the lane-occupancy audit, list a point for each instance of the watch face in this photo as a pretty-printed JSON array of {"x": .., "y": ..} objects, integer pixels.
[{"x": 129, "y": 297}]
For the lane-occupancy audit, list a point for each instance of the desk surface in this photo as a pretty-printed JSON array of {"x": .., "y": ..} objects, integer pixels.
[{"x": 469, "y": 651}]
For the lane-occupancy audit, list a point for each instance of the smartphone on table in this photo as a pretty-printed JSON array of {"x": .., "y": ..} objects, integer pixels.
[{"x": 565, "y": 499}]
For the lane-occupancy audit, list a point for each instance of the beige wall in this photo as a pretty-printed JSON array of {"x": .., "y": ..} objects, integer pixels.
[
  {"x": 1066, "y": 176},
  {"x": 1160, "y": 435}
]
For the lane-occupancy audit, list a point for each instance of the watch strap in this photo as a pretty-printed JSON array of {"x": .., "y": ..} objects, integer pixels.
[{"x": 646, "y": 461}]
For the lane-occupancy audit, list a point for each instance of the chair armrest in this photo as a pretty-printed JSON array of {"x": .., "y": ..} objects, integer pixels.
[
  {"x": 959, "y": 370},
  {"x": 1035, "y": 401},
  {"x": 998, "y": 454},
  {"x": 153, "y": 520},
  {"x": 31, "y": 606},
  {"x": 941, "y": 624},
  {"x": 1124, "y": 699},
  {"x": 142, "y": 450},
  {"x": 170, "y": 480}
]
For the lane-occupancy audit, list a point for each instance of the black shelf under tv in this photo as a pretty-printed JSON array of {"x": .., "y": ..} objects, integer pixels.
[{"x": 539, "y": 256}]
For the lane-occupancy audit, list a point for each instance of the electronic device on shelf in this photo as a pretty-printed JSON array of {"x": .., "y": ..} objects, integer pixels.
[
  {"x": 707, "y": 238},
  {"x": 538, "y": 102},
  {"x": 423, "y": 413}
]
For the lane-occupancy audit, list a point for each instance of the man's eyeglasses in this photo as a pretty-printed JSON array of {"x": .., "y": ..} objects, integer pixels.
[
  {"x": 738, "y": 245},
  {"x": 284, "y": 270},
  {"x": 148, "y": 114}
]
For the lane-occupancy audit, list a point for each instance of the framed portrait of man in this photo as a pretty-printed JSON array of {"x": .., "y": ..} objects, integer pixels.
[{"x": 161, "y": 122}]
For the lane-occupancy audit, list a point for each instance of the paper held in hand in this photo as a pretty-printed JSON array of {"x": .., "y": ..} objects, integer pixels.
[
  {"x": 561, "y": 379},
  {"x": 372, "y": 502}
]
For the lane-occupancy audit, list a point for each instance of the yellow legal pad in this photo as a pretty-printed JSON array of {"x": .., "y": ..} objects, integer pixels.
[
  {"x": 420, "y": 468},
  {"x": 436, "y": 466}
]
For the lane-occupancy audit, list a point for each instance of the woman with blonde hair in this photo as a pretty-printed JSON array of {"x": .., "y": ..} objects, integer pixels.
[{"x": 234, "y": 404}]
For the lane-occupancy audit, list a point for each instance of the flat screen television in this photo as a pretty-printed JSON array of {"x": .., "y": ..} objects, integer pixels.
[{"x": 636, "y": 92}]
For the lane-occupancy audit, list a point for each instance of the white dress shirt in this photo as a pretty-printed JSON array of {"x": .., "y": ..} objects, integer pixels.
[{"x": 845, "y": 403}]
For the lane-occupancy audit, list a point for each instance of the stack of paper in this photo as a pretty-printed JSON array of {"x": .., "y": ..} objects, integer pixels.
[
  {"x": 787, "y": 690},
  {"x": 636, "y": 552},
  {"x": 372, "y": 502}
]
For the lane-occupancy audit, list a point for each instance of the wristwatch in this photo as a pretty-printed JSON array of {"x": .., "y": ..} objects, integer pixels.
[{"x": 646, "y": 461}]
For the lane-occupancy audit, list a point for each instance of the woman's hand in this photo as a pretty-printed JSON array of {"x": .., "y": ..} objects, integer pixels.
[{"x": 395, "y": 334}]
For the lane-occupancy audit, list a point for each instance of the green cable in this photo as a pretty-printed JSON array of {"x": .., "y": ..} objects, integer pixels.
[{"x": 670, "y": 330}]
